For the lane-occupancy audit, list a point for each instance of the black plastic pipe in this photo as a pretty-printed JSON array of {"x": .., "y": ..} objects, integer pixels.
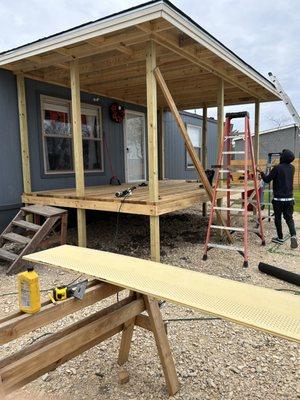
[{"x": 280, "y": 273}]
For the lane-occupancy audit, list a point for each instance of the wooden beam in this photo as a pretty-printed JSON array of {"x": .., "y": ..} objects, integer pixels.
[
  {"x": 78, "y": 149},
  {"x": 220, "y": 117},
  {"x": 170, "y": 41},
  {"x": 189, "y": 146},
  {"x": 163, "y": 346},
  {"x": 18, "y": 324},
  {"x": 127, "y": 333},
  {"x": 256, "y": 131},
  {"x": 204, "y": 151},
  {"x": 77, "y": 338},
  {"x": 152, "y": 146},
  {"x": 25, "y": 155},
  {"x": 161, "y": 145}
]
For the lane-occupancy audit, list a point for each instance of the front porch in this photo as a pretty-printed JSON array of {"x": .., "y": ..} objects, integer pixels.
[
  {"x": 174, "y": 195},
  {"x": 153, "y": 56}
]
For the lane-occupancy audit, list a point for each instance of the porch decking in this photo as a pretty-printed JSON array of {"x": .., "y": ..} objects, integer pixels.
[{"x": 173, "y": 195}]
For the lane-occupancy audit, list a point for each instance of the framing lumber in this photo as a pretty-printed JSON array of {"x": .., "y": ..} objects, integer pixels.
[
  {"x": 204, "y": 151},
  {"x": 78, "y": 149},
  {"x": 163, "y": 346},
  {"x": 19, "y": 324},
  {"x": 47, "y": 354},
  {"x": 25, "y": 155},
  {"x": 256, "y": 130},
  {"x": 161, "y": 145},
  {"x": 189, "y": 146},
  {"x": 220, "y": 113},
  {"x": 220, "y": 117},
  {"x": 126, "y": 341},
  {"x": 74, "y": 340},
  {"x": 171, "y": 42},
  {"x": 152, "y": 146}
]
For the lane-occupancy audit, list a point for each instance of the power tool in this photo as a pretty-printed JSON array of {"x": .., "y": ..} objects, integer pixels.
[
  {"x": 126, "y": 192},
  {"x": 61, "y": 293}
]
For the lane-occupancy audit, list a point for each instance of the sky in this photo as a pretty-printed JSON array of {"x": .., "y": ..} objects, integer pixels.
[{"x": 265, "y": 33}]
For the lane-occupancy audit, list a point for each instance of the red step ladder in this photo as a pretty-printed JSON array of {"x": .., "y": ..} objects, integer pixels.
[{"x": 225, "y": 167}]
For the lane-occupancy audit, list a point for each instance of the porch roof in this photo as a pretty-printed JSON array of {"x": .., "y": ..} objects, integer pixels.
[{"x": 111, "y": 53}]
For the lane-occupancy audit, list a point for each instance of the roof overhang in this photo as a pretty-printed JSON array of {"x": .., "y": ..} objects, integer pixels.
[{"x": 174, "y": 32}]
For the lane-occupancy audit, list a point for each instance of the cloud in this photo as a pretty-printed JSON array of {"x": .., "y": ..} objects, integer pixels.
[{"x": 265, "y": 33}]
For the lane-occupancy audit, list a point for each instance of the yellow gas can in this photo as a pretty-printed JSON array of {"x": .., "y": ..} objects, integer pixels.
[{"x": 29, "y": 291}]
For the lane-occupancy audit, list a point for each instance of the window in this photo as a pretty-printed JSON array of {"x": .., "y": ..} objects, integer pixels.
[
  {"x": 58, "y": 140},
  {"x": 194, "y": 133}
]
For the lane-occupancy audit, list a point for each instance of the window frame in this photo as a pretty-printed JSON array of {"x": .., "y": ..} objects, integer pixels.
[
  {"x": 57, "y": 101},
  {"x": 191, "y": 167}
]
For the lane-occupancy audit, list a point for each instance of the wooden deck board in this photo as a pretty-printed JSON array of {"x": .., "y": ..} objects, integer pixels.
[{"x": 173, "y": 195}]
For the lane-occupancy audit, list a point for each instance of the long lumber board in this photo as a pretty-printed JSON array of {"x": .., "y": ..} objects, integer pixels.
[{"x": 256, "y": 307}]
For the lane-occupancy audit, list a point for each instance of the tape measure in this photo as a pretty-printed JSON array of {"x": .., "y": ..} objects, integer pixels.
[{"x": 61, "y": 293}]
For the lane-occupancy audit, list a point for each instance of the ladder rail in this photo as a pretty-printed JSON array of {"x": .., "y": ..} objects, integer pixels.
[
  {"x": 224, "y": 157},
  {"x": 214, "y": 197},
  {"x": 286, "y": 99}
]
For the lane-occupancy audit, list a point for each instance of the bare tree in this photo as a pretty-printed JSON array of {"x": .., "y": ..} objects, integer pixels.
[{"x": 279, "y": 121}]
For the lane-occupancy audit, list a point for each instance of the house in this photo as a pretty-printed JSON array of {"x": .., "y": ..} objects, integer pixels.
[
  {"x": 51, "y": 158},
  {"x": 274, "y": 141},
  {"x": 90, "y": 102}
]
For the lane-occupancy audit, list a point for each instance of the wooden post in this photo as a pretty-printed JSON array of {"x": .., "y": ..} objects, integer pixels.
[
  {"x": 24, "y": 134},
  {"x": 152, "y": 146},
  {"x": 78, "y": 150},
  {"x": 204, "y": 151},
  {"x": 256, "y": 131},
  {"x": 220, "y": 103},
  {"x": 161, "y": 145}
]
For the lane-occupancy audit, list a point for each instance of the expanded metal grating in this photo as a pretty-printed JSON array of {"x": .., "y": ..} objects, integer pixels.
[{"x": 256, "y": 307}]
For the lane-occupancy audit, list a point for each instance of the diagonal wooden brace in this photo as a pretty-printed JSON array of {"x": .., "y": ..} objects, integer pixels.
[{"x": 189, "y": 146}]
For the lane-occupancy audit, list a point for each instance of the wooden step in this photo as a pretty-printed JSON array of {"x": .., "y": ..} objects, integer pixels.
[
  {"x": 14, "y": 237},
  {"x": 44, "y": 211},
  {"x": 27, "y": 225},
  {"x": 7, "y": 255}
]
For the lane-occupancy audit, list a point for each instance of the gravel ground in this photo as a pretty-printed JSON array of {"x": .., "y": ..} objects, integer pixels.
[{"x": 214, "y": 359}]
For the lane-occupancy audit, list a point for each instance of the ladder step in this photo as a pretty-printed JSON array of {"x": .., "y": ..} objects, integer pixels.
[
  {"x": 240, "y": 190},
  {"x": 14, "y": 237},
  {"x": 233, "y": 152},
  {"x": 27, "y": 225},
  {"x": 228, "y": 228},
  {"x": 229, "y": 209},
  {"x": 45, "y": 211},
  {"x": 224, "y": 247},
  {"x": 239, "y": 171},
  {"x": 7, "y": 255}
]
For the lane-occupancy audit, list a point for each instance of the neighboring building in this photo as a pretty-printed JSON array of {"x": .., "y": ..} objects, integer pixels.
[
  {"x": 50, "y": 141},
  {"x": 274, "y": 141}
]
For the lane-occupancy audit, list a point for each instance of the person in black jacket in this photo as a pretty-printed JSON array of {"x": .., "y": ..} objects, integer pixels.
[{"x": 283, "y": 202}]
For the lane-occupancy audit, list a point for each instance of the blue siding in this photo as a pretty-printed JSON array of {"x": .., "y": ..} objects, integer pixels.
[
  {"x": 11, "y": 185},
  {"x": 175, "y": 153},
  {"x": 10, "y": 164},
  {"x": 113, "y": 134}
]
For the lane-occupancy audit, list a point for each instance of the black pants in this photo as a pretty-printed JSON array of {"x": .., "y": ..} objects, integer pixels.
[{"x": 286, "y": 208}]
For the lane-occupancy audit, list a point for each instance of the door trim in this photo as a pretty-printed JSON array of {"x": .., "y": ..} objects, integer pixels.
[{"x": 140, "y": 113}]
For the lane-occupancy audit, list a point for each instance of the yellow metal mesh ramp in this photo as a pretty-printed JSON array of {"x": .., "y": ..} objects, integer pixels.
[{"x": 256, "y": 307}]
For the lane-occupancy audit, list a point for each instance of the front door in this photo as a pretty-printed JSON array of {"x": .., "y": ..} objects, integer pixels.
[{"x": 135, "y": 159}]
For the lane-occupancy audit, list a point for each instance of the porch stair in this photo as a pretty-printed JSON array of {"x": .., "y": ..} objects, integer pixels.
[{"x": 26, "y": 236}]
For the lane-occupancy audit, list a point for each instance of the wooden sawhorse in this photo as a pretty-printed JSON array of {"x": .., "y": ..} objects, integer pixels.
[{"x": 47, "y": 354}]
